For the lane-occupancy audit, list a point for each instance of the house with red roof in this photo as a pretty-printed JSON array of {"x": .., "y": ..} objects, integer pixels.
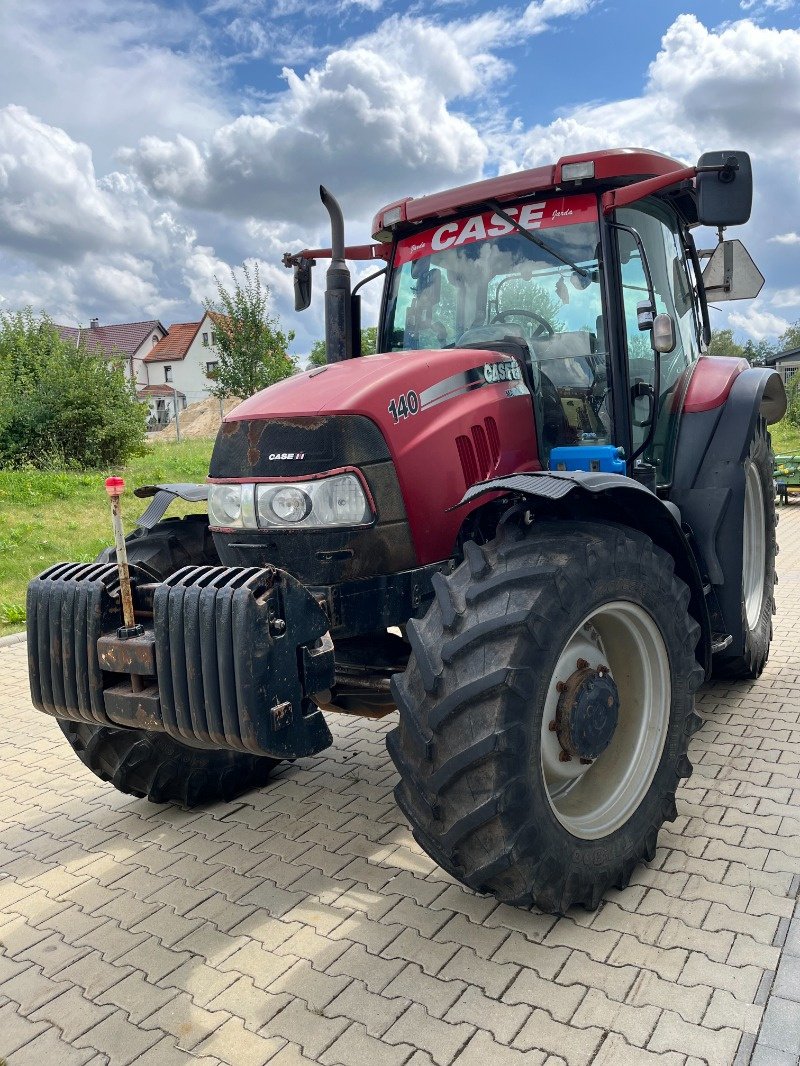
[
  {"x": 169, "y": 367},
  {"x": 130, "y": 341},
  {"x": 178, "y": 367}
]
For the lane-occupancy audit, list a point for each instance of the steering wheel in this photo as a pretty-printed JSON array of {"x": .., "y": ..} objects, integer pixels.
[{"x": 544, "y": 329}]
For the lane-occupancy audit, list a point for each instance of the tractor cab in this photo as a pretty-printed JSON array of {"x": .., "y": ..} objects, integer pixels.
[{"x": 586, "y": 274}]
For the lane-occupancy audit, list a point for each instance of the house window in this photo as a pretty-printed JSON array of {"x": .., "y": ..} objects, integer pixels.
[
  {"x": 167, "y": 373},
  {"x": 788, "y": 373},
  {"x": 211, "y": 366},
  {"x": 155, "y": 340},
  {"x": 213, "y": 337},
  {"x": 205, "y": 340}
]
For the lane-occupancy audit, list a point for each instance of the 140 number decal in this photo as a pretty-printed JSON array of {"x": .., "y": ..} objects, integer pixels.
[{"x": 405, "y": 406}]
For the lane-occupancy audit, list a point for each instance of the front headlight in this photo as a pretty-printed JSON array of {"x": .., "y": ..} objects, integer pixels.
[
  {"x": 330, "y": 501},
  {"x": 231, "y": 506}
]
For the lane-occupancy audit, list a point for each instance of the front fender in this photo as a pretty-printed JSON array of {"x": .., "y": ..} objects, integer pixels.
[{"x": 577, "y": 494}]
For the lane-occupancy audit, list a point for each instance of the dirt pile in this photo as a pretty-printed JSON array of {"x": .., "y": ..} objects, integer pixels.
[{"x": 201, "y": 419}]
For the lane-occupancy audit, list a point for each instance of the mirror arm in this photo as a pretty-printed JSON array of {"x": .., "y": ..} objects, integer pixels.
[{"x": 702, "y": 299}]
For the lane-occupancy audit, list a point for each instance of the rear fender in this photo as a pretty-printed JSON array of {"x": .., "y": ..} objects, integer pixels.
[
  {"x": 578, "y": 495},
  {"x": 709, "y": 481}
]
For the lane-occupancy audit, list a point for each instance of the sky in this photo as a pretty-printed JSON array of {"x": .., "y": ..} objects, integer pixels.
[{"x": 150, "y": 146}]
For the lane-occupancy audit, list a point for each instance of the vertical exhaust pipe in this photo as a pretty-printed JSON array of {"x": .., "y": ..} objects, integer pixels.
[{"x": 338, "y": 314}]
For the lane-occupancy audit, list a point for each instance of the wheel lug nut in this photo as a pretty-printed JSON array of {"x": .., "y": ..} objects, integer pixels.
[
  {"x": 582, "y": 664},
  {"x": 564, "y": 756},
  {"x": 586, "y": 762},
  {"x": 560, "y": 686},
  {"x": 552, "y": 726}
]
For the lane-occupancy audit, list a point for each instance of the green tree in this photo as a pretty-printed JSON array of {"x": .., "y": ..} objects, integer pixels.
[
  {"x": 318, "y": 355},
  {"x": 253, "y": 350},
  {"x": 369, "y": 345},
  {"x": 790, "y": 338},
  {"x": 722, "y": 343},
  {"x": 61, "y": 405}
]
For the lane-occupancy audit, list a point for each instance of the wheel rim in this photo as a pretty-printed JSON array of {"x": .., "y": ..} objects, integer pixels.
[
  {"x": 754, "y": 547},
  {"x": 594, "y": 799}
]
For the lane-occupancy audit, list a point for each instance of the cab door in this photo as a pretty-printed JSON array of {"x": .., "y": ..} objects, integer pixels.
[{"x": 654, "y": 391}]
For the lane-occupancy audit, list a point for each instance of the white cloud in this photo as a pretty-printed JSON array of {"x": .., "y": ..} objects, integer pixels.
[
  {"x": 110, "y": 73},
  {"x": 359, "y": 122},
  {"x": 766, "y": 5},
  {"x": 786, "y": 298},
  {"x": 757, "y": 323},
  {"x": 785, "y": 238},
  {"x": 51, "y": 202}
]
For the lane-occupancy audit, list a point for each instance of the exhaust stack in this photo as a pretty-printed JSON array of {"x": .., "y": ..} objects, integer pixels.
[{"x": 338, "y": 311}]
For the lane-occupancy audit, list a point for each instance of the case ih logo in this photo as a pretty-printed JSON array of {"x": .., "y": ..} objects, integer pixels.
[
  {"x": 539, "y": 214},
  {"x": 508, "y": 371}
]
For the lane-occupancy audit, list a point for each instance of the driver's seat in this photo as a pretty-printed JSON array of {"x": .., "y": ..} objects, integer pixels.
[{"x": 510, "y": 339}]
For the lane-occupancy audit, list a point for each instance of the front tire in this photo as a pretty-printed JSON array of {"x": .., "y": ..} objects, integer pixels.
[
  {"x": 153, "y": 766},
  {"x": 482, "y": 781}
]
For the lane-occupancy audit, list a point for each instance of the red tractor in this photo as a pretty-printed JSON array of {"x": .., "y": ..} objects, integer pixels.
[{"x": 533, "y": 523}]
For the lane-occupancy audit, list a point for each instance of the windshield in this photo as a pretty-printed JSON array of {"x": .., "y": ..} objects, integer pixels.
[{"x": 478, "y": 282}]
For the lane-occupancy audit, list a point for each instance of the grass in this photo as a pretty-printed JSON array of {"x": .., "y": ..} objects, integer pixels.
[
  {"x": 785, "y": 438},
  {"x": 53, "y": 516}
]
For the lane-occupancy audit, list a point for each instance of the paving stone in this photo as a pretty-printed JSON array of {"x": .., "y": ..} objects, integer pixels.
[
  {"x": 118, "y": 1038},
  {"x": 780, "y": 1028},
  {"x": 310, "y": 1030},
  {"x": 502, "y": 1019},
  {"x": 616, "y": 1051},
  {"x": 482, "y": 1050},
  {"x": 137, "y": 996},
  {"x": 442, "y": 1040},
  {"x": 541, "y": 1032},
  {"x": 71, "y": 1013},
  {"x": 374, "y": 972},
  {"x": 435, "y": 994},
  {"x": 375, "y": 1012},
  {"x": 355, "y": 1047},
  {"x": 558, "y": 1000},
  {"x": 232, "y": 1043},
  {"x": 49, "y": 1049},
  {"x": 17, "y": 1030},
  {"x": 187, "y": 1021},
  {"x": 635, "y": 1024},
  {"x": 672, "y": 1033}
]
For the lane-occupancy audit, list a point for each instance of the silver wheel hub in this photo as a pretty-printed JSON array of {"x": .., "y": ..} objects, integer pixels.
[
  {"x": 754, "y": 547},
  {"x": 605, "y": 719}
]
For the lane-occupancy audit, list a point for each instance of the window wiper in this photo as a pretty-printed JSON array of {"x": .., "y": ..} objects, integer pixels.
[{"x": 494, "y": 206}]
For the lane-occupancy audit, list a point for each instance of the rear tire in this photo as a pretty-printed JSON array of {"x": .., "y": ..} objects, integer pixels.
[
  {"x": 759, "y": 548},
  {"x": 476, "y": 772},
  {"x": 153, "y": 765}
]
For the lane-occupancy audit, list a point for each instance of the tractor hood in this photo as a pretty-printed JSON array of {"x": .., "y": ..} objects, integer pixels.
[{"x": 350, "y": 387}]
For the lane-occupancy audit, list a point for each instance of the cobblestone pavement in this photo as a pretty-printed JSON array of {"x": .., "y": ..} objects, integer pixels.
[{"x": 303, "y": 924}]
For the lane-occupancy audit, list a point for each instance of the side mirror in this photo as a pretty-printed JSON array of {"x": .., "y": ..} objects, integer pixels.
[
  {"x": 731, "y": 274},
  {"x": 724, "y": 188},
  {"x": 302, "y": 283}
]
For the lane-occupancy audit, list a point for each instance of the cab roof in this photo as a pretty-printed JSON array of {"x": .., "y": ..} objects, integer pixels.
[{"x": 616, "y": 166}]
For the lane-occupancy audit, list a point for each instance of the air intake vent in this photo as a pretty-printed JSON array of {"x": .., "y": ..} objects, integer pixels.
[
  {"x": 479, "y": 455},
  {"x": 466, "y": 453}
]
